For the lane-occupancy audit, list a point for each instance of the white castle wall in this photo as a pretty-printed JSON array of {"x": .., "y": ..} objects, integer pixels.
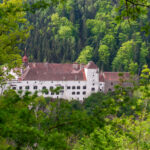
[
  {"x": 72, "y": 89},
  {"x": 78, "y": 89}
]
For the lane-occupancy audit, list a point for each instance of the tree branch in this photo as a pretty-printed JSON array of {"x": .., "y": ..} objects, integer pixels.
[{"x": 137, "y": 4}]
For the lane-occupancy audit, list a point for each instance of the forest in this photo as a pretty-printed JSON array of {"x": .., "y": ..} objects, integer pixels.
[
  {"x": 117, "y": 120},
  {"x": 115, "y": 35},
  {"x": 83, "y": 30}
]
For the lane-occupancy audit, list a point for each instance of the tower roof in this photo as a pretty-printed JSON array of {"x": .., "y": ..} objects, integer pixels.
[
  {"x": 91, "y": 65},
  {"x": 25, "y": 58}
]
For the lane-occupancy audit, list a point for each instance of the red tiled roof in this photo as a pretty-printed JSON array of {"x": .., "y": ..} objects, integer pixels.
[
  {"x": 91, "y": 65},
  {"x": 53, "y": 72},
  {"x": 101, "y": 77},
  {"x": 114, "y": 76}
]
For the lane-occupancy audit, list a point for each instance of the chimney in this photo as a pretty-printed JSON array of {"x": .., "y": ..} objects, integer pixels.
[
  {"x": 81, "y": 66},
  {"x": 76, "y": 66}
]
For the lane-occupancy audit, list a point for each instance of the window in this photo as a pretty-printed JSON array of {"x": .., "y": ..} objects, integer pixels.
[
  {"x": 84, "y": 93},
  {"x": 111, "y": 83},
  {"x": 93, "y": 84},
  {"x": 73, "y": 87},
  {"x": 20, "y": 87},
  {"x": 46, "y": 93},
  {"x": 44, "y": 87},
  {"x": 35, "y": 87},
  {"x": 78, "y": 93},
  {"x": 78, "y": 87},
  {"x": 52, "y": 93},
  {"x": 73, "y": 93},
  {"x": 14, "y": 88},
  {"x": 93, "y": 89},
  {"x": 51, "y": 87},
  {"x": 109, "y": 89},
  {"x": 57, "y": 93},
  {"x": 68, "y": 87},
  {"x": 84, "y": 87},
  {"x": 62, "y": 87},
  {"x": 27, "y": 87}
]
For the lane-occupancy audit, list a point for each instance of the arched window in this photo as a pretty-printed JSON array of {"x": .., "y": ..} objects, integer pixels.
[{"x": 44, "y": 87}]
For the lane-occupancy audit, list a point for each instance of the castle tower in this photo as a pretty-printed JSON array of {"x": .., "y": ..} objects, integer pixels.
[
  {"x": 25, "y": 59},
  {"x": 92, "y": 76}
]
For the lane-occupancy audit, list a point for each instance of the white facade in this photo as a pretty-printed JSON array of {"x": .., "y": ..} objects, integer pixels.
[
  {"x": 77, "y": 81},
  {"x": 75, "y": 89}
]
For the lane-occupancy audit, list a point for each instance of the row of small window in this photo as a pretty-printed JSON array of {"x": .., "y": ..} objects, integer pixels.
[
  {"x": 78, "y": 93},
  {"x": 52, "y": 93},
  {"x": 74, "y": 87},
  {"x": 36, "y": 87}
]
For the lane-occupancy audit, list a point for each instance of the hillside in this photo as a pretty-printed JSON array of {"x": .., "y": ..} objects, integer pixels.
[{"x": 60, "y": 33}]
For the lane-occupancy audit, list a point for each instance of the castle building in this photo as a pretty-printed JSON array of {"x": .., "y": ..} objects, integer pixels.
[{"x": 77, "y": 81}]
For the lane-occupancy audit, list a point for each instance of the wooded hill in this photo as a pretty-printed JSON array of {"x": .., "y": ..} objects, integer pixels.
[{"x": 82, "y": 30}]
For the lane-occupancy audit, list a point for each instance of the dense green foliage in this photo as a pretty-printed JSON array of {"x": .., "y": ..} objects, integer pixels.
[
  {"x": 67, "y": 32},
  {"x": 112, "y": 121},
  {"x": 14, "y": 29}
]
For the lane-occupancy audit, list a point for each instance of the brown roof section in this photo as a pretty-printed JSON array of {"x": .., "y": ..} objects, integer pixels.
[
  {"x": 53, "y": 72},
  {"x": 91, "y": 65},
  {"x": 101, "y": 77},
  {"x": 114, "y": 76}
]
